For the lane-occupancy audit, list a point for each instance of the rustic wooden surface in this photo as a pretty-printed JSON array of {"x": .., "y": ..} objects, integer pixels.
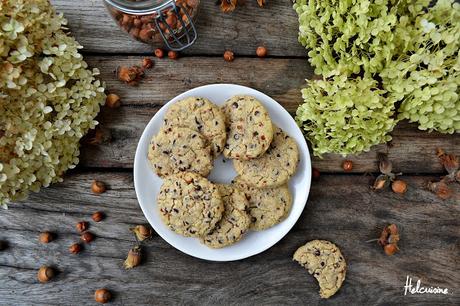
[{"x": 341, "y": 207}]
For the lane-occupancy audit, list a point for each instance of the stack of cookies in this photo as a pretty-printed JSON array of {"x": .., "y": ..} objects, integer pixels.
[{"x": 194, "y": 133}]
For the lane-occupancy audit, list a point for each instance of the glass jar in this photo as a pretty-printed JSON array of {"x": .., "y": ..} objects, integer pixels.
[{"x": 153, "y": 21}]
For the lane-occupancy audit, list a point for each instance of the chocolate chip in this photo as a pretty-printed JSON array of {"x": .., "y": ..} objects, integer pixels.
[
  {"x": 317, "y": 253},
  {"x": 235, "y": 105},
  {"x": 322, "y": 264},
  {"x": 175, "y": 210},
  {"x": 256, "y": 113},
  {"x": 253, "y": 219},
  {"x": 255, "y": 133}
]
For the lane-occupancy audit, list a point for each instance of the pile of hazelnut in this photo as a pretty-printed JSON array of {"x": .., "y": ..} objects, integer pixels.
[
  {"x": 141, "y": 232},
  {"x": 143, "y": 27}
]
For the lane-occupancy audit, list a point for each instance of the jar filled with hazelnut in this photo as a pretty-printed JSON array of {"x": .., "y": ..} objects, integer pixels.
[{"x": 154, "y": 21}]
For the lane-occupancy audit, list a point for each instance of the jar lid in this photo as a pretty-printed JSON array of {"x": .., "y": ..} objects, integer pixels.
[{"x": 139, "y": 7}]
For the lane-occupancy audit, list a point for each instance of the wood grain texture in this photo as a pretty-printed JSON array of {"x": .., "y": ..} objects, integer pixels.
[
  {"x": 341, "y": 208},
  {"x": 242, "y": 31},
  {"x": 412, "y": 150}
]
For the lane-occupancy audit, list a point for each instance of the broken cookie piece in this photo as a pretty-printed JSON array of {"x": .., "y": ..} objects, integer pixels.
[{"x": 325, "y": 262}]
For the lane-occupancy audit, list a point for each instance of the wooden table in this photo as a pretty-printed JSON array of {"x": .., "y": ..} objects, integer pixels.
[{"x": 341, "y": 207}]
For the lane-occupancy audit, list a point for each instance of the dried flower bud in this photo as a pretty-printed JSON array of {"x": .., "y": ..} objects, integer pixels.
[
  {"x": 45, "y": 274},
  {"x": 439, "y": 152},
  {"x": 389, "y": 239},
  {"x": 102, "y": 295},
  {"x": 126, "y": 74},
  {"x": 142, "y": 232},
  {"x": 45, "y": 237},
  {"x": 389, "y": 234},
  {"x": 261, "y": 3},
  {"x": 385, "y": 165},
  {"x": 399, "y": 186},
  {"x": 97, "y": 187},
  {"x": 147, "y": 63},
  {"x": 381, "y": 182},
  {"x": 228, "y": 6},
  {"x": 133, "y": 259},
  {"x": 450, "y": 163},
  {"x": 112, "y": 101},
  {"x": 98, "y": 136},
  {"x": 82, "y": 226},
  {"x": 440, "y": 189}
]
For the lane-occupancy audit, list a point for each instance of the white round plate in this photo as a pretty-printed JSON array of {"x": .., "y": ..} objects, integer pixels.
[{"x": 147, "y": 183}]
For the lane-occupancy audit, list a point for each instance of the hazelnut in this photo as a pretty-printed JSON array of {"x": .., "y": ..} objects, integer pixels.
[
  {"x": 133, "y": 259},
  {"x": 173, "y": 55},
  {"x": 87, "y": 237},
  {"x": 147, "y": 63},
  {"x": 137, "y": 22},
  {"x": 97, "y": 216},
  {"x": 82, "y": 226},
  {"x": 347, "y": 165},
  {"x": 102, "y": 295},
  {"x": 126, "y": 20},
  {"x": 112, "y": 101},
  {"x": 45, "y": 274},
  {"x": 145, "y": 34},
  {"x": 229, "y": 56},
  {"x": 75, "y": 248},
  {"x": 98, "y": 187},
  {"x": 261, "y": 51},
  {"x": 390, "y": 249},
  {"x": 171, "y": 20},
  {"x": 159, "y": 53},
  {"x": 45, "y": 237},
  {"x": 315, "y": 173},
  {"x": 142, "y": 232},
  {"x": 399, "y": 186},
  {"x": 192, "y": 3}
]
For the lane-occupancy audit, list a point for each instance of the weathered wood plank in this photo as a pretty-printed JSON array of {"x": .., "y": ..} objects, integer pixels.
[
  {"x": 340, "y": 208},
  {"x": 412, "y": 151},
  {"x": 274, "y": 26}
]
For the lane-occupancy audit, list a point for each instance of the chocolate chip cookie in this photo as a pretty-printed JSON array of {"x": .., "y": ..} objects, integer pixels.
[
  {"x": 189, "y": 204},
  {"x": 249, "y": 128},
  {"x": 325, "y": 262},
  {"x": 268, "y": 206},
  {"x": 235, "y": 221},
  {"x": 178, "y": 149},
  {"x": 200, "y": 115},
  {"x": 275, "y": 167}
]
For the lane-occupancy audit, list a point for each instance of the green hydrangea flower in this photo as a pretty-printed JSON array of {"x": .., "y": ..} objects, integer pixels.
[
  {"x": 48, "y": 98},
  {"x": 426, "y": 76},
  {"x": 345, "y": 116},
  {"x": 352, "y": 36}
]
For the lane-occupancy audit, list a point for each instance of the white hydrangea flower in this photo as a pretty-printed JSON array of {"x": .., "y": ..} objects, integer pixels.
[{"x": 47, "y": 102}]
